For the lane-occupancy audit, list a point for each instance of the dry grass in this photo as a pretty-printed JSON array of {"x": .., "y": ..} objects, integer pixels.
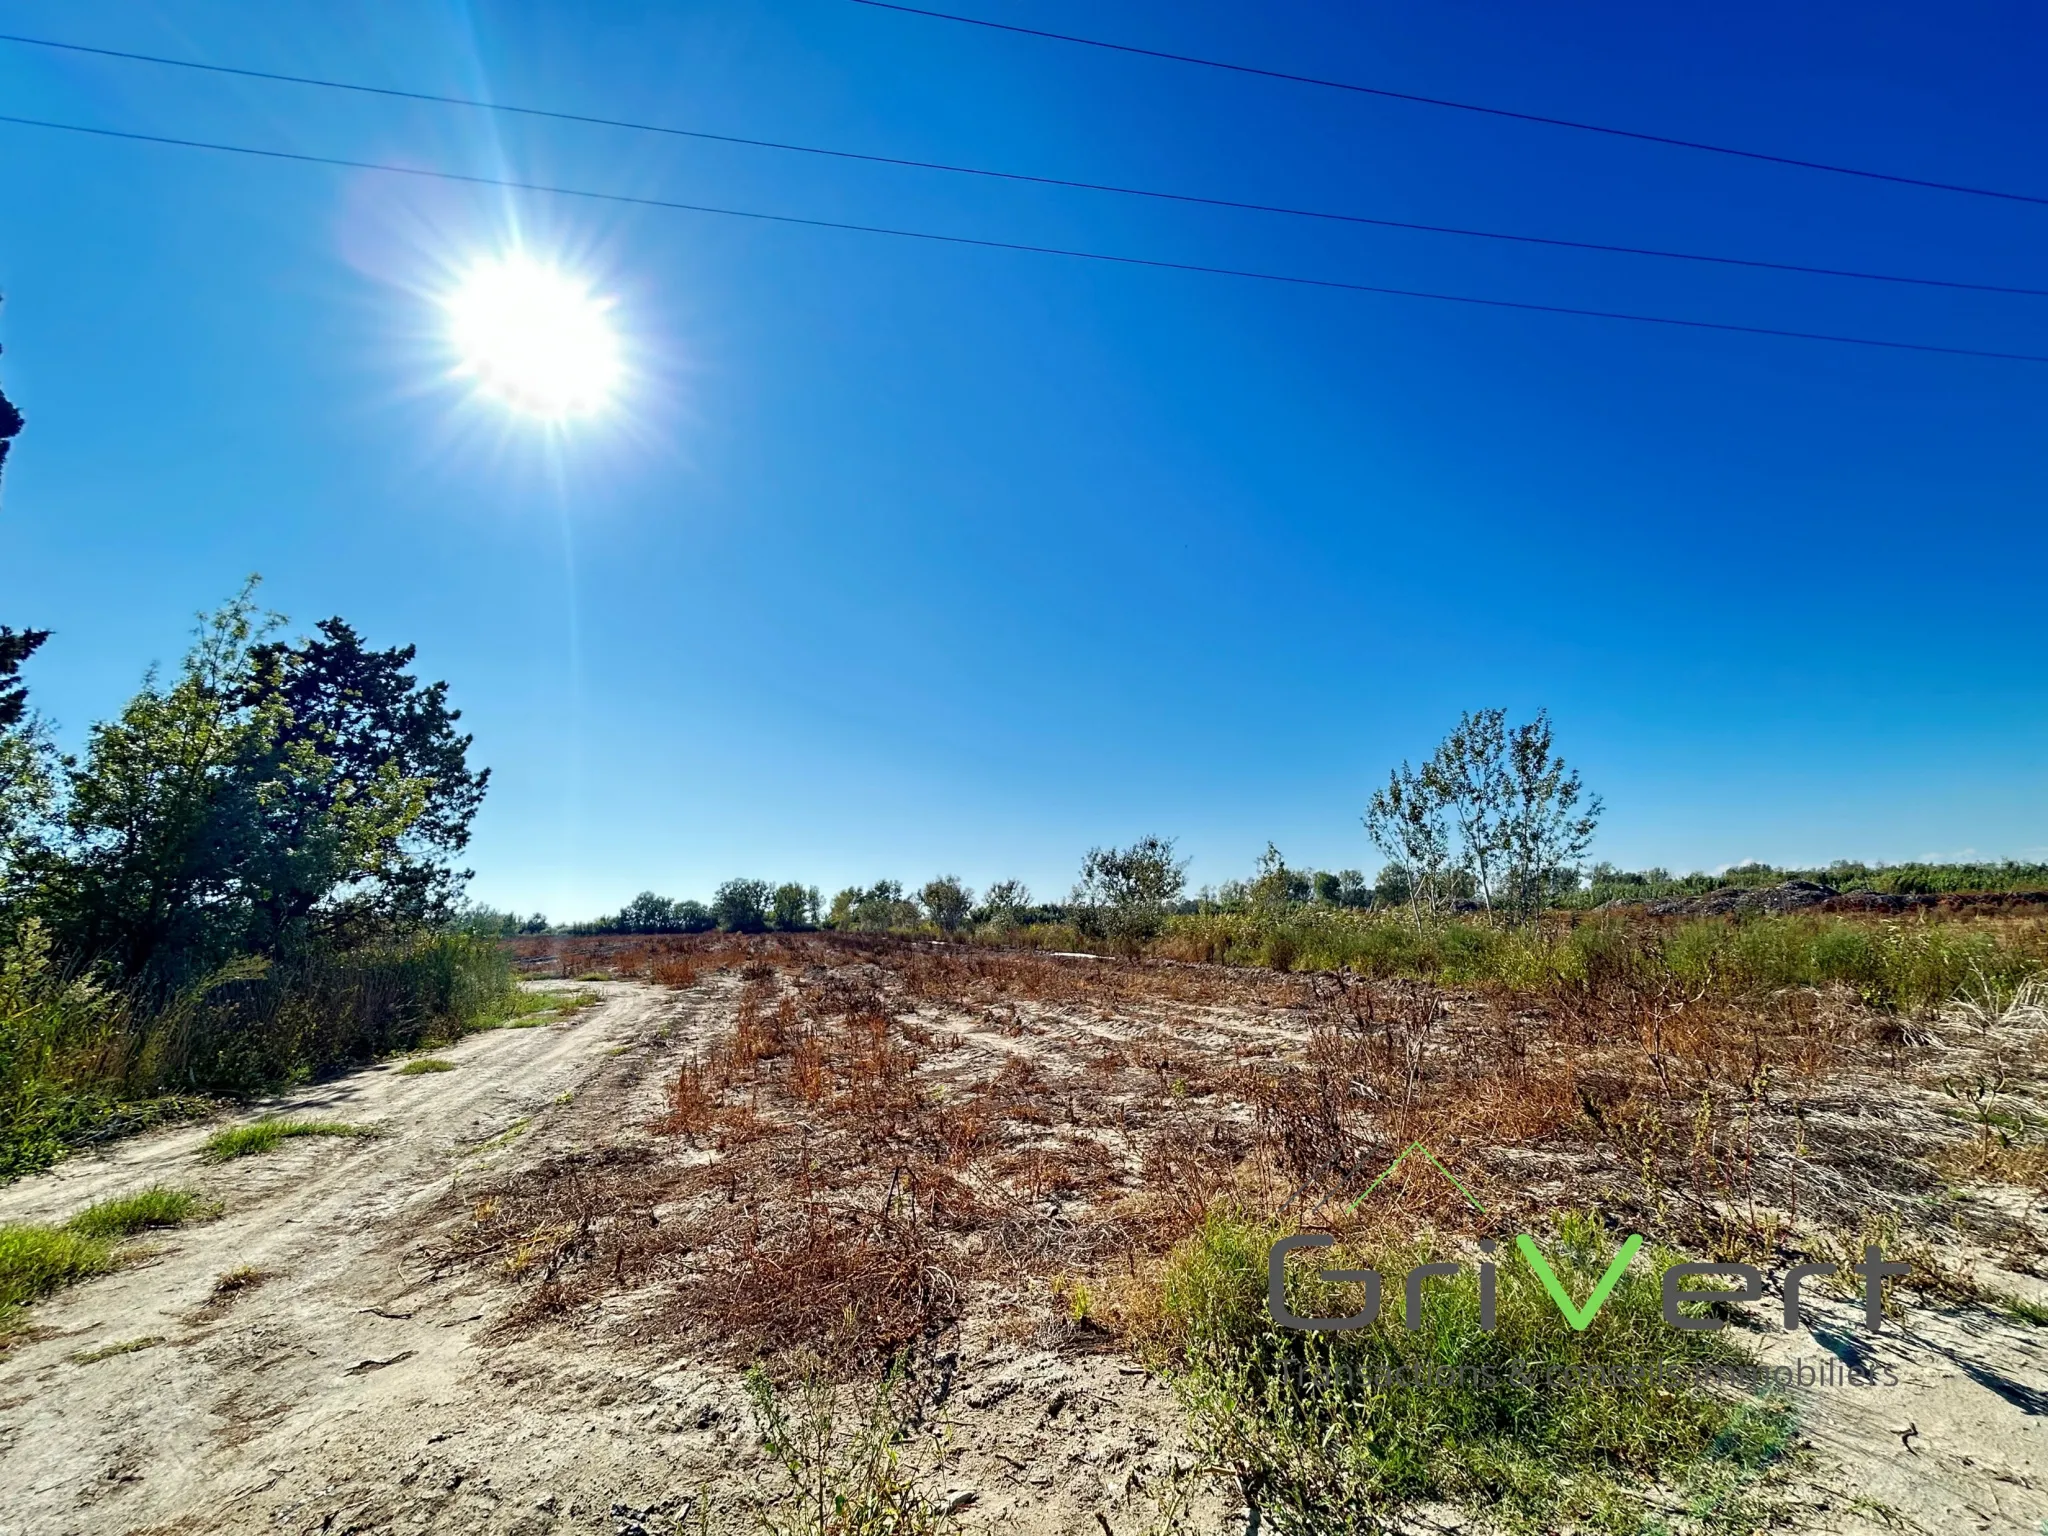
[{"x": 883, "y": 1131}]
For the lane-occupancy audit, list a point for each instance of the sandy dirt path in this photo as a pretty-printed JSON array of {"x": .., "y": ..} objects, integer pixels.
[{"x": 351, "y": 1390}]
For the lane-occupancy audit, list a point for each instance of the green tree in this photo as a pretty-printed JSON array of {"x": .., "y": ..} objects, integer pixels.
[
  {"x": 1547, "y": 820},
  {"x": 28, "y": 763},
  {"x": 11, "y": 423},
  {"x": 1125, "y": 893},
  {"x": 1516, "y": 805},
  {"x": 360, "y": 728},
  {"x": 793, "y": 907},
  {"x": 1405, "y": 820},
  {"x": 16, "y": 646},
  {"x": 30, "y": 772},
  {"x": 269, "y": 796},
  {"x": 1394, "y": 886},
  {"x": 840, "y": 913},
  {"x": 1006, "y": 903},
  {"x": 946, "y": 902},
  {"x": 741, "y": 906},
  {"x": 648, "y": 913},
  {"x": 1522, "y": 818},
  {"x": 877, "y": 909},
  {"x": 1274, "y": 886}
]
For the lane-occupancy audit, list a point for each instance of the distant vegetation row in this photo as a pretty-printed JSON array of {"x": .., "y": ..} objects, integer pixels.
[
  {"x": 1494, "y": 822},
  {"x": 759, "y": 906}
]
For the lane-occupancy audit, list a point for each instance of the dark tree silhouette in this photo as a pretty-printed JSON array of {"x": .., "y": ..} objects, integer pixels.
[{"x": 16, "y": 646}]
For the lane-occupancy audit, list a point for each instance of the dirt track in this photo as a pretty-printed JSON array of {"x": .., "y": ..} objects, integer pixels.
[{"x": 351, "y": 1391}]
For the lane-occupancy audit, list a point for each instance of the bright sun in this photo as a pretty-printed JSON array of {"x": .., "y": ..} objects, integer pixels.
[{"x": 534, "y": 338}]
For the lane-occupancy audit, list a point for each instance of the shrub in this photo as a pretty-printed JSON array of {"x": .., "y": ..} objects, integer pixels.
[{"x": 320, "y": 1013}]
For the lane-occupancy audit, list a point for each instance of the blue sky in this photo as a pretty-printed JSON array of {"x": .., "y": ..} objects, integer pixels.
[{"x": 901, "y": 558}]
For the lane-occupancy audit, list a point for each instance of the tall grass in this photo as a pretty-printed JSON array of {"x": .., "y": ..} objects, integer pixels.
[
  {"x": 326, "y": 1011},
  {"x": 1540, "y": 1425},
  {"x": 1906, "y": 965},
  {"x": 80, "y": 1063}
]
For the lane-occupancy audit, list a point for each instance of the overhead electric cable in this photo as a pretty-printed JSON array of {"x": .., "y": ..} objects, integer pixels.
[
  {"x": 1290, "y": 279},
  {"x": 1460, "y": 106},
  {"x": 589, "y": 120}
]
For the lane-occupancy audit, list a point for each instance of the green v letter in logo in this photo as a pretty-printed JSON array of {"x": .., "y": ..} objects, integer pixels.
[{"x": 1580, "y": 1318}]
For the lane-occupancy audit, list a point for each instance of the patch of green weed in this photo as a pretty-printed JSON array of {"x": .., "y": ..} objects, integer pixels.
[
  {"x": 36, "y": 1260},
  {"x": 1538, "y": 1424},
  {"x": 126, "y": 1215},
  {"x": 263, "y": 1135}
]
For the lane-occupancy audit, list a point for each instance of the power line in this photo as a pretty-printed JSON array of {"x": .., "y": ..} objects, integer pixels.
[
  {"x": 588, "y": 120},
  {"x": 1460, "y": 106},
  {"x": 1290, "y": 279}
]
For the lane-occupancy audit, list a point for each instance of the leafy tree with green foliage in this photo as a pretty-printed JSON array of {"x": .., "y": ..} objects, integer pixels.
[
  {"x": 648, "y": 913},
  {"x": 1274, "y": 886},
  {"x": 16, "y": 646},
  {"x": 946, "y": 902},
  {"x": 1405, "y": 820},
  {"x": 269, "y": 797},
  {"x": 1517, "y": 807},
  {"x": 29, "y": 775},
  {"x": 793, "y": 908},
  {"x": 876, "y": 909},
  {"x": 11, "y": 423},
  {"x": 487, "y": 922},
  {"x": 1124, "y": 894},
  {"x": 1523, "y": 820},
  {"x": 28, "y": 764},
  {"x": 1005, "y": 903},
  {"x": 370, "y": 727},
  {"x": 741, "y": 906},
  {"x": 1394, "y": 886}
]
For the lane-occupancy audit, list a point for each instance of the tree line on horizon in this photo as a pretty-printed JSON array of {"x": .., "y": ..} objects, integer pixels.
[{"x": 1493, "y": 822}]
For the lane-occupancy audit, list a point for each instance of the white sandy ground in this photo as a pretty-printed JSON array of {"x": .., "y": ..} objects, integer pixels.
[{"x": 354, "y": 1391}]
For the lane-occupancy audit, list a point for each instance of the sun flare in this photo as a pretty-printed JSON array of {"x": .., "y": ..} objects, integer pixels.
[{"x": 534, "y": 338}]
